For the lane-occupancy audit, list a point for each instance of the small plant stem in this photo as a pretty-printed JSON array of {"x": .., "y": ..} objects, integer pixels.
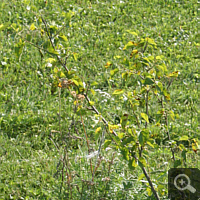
[
  {"x": 60, "y": 112},
  {"x": 95, "y": 167},
  {"x": 150, "y": 183},
  {"x": 68, "y": 173},
  {"x": 50, "y": 39},
  {"x": 166, "y": 122},
  {"x": 147, "y": 108},
  {"x": 88, "y": 145},
  {"x": 135, "y": 115},
  {"x": 145, "y": 46}
]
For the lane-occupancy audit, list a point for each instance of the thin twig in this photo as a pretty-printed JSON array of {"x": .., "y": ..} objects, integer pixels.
[
  {"x": 145, "y": 46},
  {"x": 166, "y": 122},
  {"x": 101, "y": 141},
  {"x": 170, "y": 83},
  {"x": 147, "y": 108},
  {"x": 50, "y": 38},
  {"x": 88, "y": 145},
  {"x": 135, "y": 114}
]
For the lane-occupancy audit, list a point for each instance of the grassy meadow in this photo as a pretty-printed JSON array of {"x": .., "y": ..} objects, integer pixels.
[{"x": 47, "y": 150}]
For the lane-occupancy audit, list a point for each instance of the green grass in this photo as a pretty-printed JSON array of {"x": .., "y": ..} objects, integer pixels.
[{"x": 29, "y": 112}]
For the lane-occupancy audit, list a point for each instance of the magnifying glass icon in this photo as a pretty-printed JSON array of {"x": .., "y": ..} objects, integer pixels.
[{"x": 181, "y": 181}]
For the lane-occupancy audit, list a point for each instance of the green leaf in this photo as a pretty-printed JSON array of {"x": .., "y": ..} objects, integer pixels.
[
  {"x": 143, "y": 137},
  {"x": 117, "y": 92},
  {"x": 141, "y": 177},
  {"x": 91, "y": 103},
  {"x": 171, "y": 114},
  {"x": 145, "y": 117},
  {"x": 114, "y": 71},
  {"x": 135, "y": 51},
  {"x": 120, "y": 135},
  {"x": 75, "y": 82},
  {"x": 174, "y": 74},
  {"x": 106, "y": 143},
  {"x": 81, "y": 111},
  {"x": 63, "y": 38},
  {"x": 150, "y": 144},
  {"x": 150, "y": 41},
  {"x": 177, "y": 163},
  {"x": 94, "y": 83},
  {"x": 32, "y": 27},
  {"x": 123, "y": 120},
  {"x": 4, "y": 26},
  {"x": 128, "y": 140},
  {"x": 125, "y": 153},
  {"x": 148, "y": 81},
  {"x": 132, "y": 32},
  {"x": 142, "y": 162},
  {"x": 129, "y": 44},
  {"x": 28, "y": 37},
  {"x": 52, "y": 51},
  {"x": 184, "y": 137},
  {"x": 75, "y": 55},
  {"x": 132, "y": 164},
  {"x": 18, "y": 48},
  {"x": 158, "y": 58},
  {"x": 160, "y": 85}
]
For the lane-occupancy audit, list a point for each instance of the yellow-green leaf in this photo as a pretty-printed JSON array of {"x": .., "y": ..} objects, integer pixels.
[
  {"x": 158, "y": 58},
  {"x": 63, "y": 37},
  {"x": 174, "y": 74},
  {"x": 75, "y": 55},
  {"x": 114, "y": 71},
  {"x": 132, "y": 32},
  {"x": 4, "y": 26},
  {"x": 135, "y": 51},
  {"x": 32, "y": 27},
  {"x": 145, "y": 117},
  {"x": 50, "y": 60},
  {"x": 117, "y": 92},
  {"x": 91, "y": 103},
  {"x": 75, "y": 82},
  {"x": 149, "y": 143},
  {"x": 108, "y": 64},
  {"x": 141, "y": 177},
  {"x": 93, "y": 92},
  {"x": 129, "y": 44},
  {"x": 184, "y": 137},
  {"x": 142, "y": 162},
  {"x": 98, "y": 129}
]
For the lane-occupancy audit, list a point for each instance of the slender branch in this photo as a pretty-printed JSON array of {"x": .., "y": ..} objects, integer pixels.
[
  {"x": 145, "y": 46},
  {"x": 50, "y": 39},
  {"x": 166, "y": 122},
  {"x": 135, "y": 114},
  {"x": 98, "y": 153},
  {"x": 38, "y": 47},
  {"x": 150, "y": 183},
  {"x": 69, "y": 176},
  {"x": 88, "y": 145},
  {"x": 170, "y": 83},
  {"x": 147, "y": 108}
]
